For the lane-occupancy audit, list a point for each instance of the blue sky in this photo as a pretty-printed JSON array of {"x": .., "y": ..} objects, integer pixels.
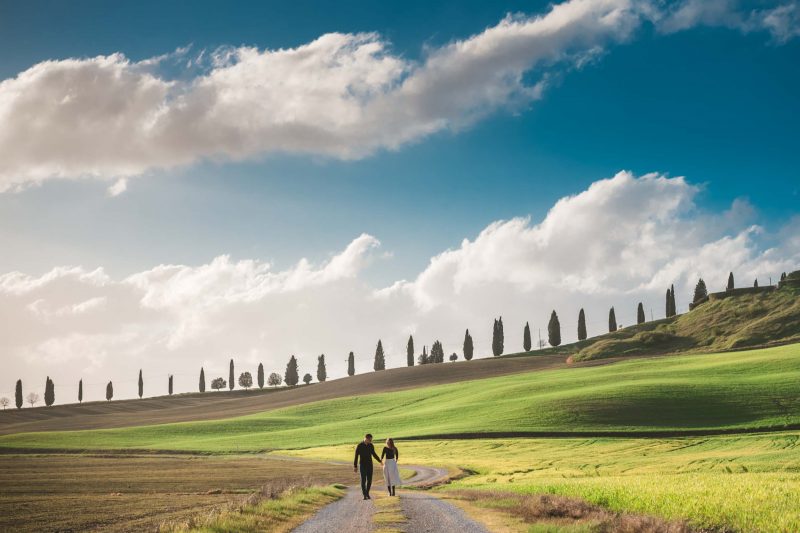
[
  {"x": 711, "y": 104},
  {"x": 426, "y": 169}
]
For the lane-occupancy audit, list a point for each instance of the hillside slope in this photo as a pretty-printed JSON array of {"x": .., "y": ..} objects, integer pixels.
[
  {"x": 695, "y": 394},
  {"x": 225, "y": 404},
  {"x": 744, "y": 321}
]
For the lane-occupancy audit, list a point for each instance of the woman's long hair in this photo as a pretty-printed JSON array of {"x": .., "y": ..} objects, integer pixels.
[{"x": 390, "y": 444}]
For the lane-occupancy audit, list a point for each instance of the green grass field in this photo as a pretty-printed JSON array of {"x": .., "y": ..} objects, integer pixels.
[
  {"x": 744, "y": 483},
  {"x": 759, "y": 388}
]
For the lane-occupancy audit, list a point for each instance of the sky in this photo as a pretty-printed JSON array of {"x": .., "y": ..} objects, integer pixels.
[{"x": 186, "y": 182}]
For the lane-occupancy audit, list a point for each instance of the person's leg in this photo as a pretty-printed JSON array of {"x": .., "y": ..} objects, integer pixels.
[
  {"x": 369, "y": 478},
  {"x": 364, "y": 486},
  {"x": 392, "y": 491}
]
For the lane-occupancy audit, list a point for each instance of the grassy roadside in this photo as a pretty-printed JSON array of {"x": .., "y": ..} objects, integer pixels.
[
  {"x": 736, "y": 390},
  {"x": 275, "y": 512},
  {"x": 743, "y": 483}
]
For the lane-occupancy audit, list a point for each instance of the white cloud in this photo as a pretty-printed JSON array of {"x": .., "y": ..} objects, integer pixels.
[
  {"x": 341, "y": 95},
  {"x": 782, "y": 21},
  {"x": 621, "y": 241}
]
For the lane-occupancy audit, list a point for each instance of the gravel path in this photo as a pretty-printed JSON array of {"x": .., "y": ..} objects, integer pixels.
[
  {"x": 426, "y": 513},
  {"x": 352, "y": 514}
]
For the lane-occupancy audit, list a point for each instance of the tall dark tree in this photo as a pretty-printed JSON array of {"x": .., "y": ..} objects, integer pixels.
[
  {"x": 80, "y": 391},
  {"x": 669, "y": 307},
  {"x": 423, "y": 358},
  {"x": 322, "y": 373},
  {"x": 700, "y": 291},
  {"x": 612, "y": 321},
  {"x": 468, "y": 346},
  {"x": 109, "y": 391},
  {"x": 755, "y": 283},
  {"x": 554, "y": 330},
  {"x": 351, "y": 364},
  {"x": 497, "y": 337},
  {"x": 783, "y": 276},
  {"x": 581, "y": 325},
  {"x": 380, "y": 358},
  {"x": 260, "y": 375},
  {"x": 18, "y": 394},
  {"x": 673, "y": 307},
  {"x": 231, "y": 384},
  {"x": 141, "y": 384},
  {"x": 410, "y": 351},
  {"x": 526, "y": 338},
  {"x": 169, "y": 385},
  {"x": 437, "y": 353},
  {"x": 49, "y": 392},
  {"x": 640, "y": 318},
  {"x": 202, "y": 387},
  {"x": 730, "y": 282},
  {"x": 292, "y": 376}
]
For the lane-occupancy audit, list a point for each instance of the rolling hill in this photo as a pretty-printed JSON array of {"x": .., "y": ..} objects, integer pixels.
[{"x": 681, "y": 395}]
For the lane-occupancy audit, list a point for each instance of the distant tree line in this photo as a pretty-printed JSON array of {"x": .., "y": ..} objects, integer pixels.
[{"x": 291, "y": 376}]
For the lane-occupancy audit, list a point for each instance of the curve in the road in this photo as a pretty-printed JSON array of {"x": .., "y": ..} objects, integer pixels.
[{"x": 424, "y": 511}]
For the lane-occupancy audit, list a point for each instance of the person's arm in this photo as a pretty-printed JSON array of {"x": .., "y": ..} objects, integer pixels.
[
  {"x": 397, "y": 455},
  {"x": 375, "y": 455},
  {"x": 383, "y": 452},
  {"x": 355, "y": 460}
]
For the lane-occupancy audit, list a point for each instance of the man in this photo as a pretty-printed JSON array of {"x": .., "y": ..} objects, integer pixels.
[{"x": 365, "y": 451}]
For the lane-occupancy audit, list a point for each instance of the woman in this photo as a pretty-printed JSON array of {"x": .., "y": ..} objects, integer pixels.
[{"x": 390, "y": 472}]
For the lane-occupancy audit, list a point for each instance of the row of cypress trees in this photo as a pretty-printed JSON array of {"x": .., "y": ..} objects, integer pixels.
[{"x": 291, "y": 376}]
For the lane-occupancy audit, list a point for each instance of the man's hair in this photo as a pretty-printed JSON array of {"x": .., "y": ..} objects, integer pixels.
[{"x": 368, "y": 436}]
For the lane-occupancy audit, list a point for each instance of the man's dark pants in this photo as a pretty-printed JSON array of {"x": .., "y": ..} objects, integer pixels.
[{"x": 366, "y": 477}]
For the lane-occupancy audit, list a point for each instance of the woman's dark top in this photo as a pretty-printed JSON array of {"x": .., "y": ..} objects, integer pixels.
[{"x": 390, "y": 453}]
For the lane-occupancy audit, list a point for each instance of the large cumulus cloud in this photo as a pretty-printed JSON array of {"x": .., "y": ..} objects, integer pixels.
[{"x": 622, "y": 240}]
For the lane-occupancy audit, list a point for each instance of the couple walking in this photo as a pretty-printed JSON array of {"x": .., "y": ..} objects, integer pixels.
[{"x": 365, "y": 451}]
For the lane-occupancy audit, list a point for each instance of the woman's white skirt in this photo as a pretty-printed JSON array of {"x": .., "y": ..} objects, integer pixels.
[{"x": 390, "y": 472}]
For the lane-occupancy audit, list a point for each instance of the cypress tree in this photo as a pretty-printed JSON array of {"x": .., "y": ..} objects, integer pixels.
[
  {"x": 260, "y": 375},
  {"x": 231, "y": 383},
  {"x": 581, "y": 325},
  {"x": 673, "y": 307},
  {"x": 468, "y": 347},
  {"x": 351, "y": 364},
  {"x": 292, "y": 377},
  {"x": 169, "y": 385},
  {"x": 437, "y": 353},
  {"x": 380, "y": 359},
  {"x": 730, "y": 286},
  {"x": 202, "y": 380},
  {"x": 783, "y": 276},
  {"x": 640, "y": 318},
  {"x": 502, "y": 335},
  {"x": 700, "y": 291},
  {"x": 109, "y": 391},
  {"x": 612, "y": 321},
  {"x": 18, "y": 394},
  {"x": 322, "y": 373},
  {"x": 423, "y": 357},
  {"x": 80, "y": 391},
  {"x": 755, "y": 283},
  {"x": 141, "y": 384},
  {"x": 410, "y": 351},
  {"x": 668, "y": 306},
  {"x": 497, "y": 337},
  {"x": 554, "y": 330},
  {"x": 49, "y": 392},
  {"x": 526, "y": 338}
]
